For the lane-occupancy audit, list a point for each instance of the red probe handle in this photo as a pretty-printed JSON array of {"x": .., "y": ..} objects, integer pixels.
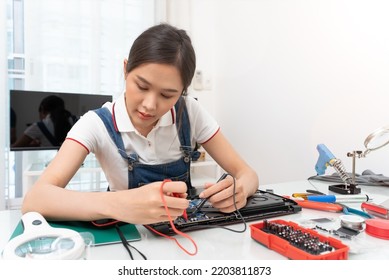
[{"x": 185, "y": 215}]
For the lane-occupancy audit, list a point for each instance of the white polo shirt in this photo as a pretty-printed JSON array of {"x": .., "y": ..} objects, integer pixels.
[{"x": 161, "y": 145}]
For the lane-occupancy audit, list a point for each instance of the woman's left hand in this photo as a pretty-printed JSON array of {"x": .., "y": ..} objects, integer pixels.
[{"x": 221, "y": 194}]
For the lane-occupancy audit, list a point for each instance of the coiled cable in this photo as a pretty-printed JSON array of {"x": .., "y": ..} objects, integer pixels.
[{"x": 341, "y": 170}]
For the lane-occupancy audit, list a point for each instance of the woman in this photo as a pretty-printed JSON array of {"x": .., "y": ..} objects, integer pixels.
[{"x": 145, "y": 136}]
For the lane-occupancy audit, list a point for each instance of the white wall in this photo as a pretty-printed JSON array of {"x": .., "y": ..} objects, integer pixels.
[{"x": 288, "y": 75}]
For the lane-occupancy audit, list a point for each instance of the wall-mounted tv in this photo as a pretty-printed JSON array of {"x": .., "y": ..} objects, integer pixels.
[{"x": 29, "y": 110}]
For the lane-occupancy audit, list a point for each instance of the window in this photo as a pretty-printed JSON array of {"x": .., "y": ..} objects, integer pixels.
[{"x": 67, "y": 46}]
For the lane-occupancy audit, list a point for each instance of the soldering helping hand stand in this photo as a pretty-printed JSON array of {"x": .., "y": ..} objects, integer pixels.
[
  {"x": 374, "y": 141},
  {"x": 326, "y": 158},
  {"x": 345, "y": 189},
  {"x": 349, "y": 186}
]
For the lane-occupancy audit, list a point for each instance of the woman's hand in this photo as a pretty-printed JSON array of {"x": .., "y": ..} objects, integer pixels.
[
  {"x": 144, "y": 205},
  {"x": 221, "y": 194}
]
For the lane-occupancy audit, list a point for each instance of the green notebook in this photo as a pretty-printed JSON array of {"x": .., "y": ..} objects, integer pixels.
[{"x": 101, "y": 236}]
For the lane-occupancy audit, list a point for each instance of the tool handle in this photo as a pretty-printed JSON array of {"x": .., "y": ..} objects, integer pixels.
[
  {"x": 323, "y": 206},
  {"x": 375, "y": 209},
  {"x": 322, "y": 198},
  {"x": 185, "y": 215},
  {"x": 325, "y": 157}
]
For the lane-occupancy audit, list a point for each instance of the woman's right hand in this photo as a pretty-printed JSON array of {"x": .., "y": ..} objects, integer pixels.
[{"x": 144, "y": 205}]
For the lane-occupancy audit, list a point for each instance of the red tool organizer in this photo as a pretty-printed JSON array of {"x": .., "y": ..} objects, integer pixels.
[{"x": 285, "y": 248}]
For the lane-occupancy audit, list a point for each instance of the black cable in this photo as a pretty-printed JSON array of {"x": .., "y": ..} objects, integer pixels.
[
  {"x": 201, "y": 204},
  {"x": 310, "y": 182},
  {"x": 236, "y": 210},
  {"x": 127, "y": 245}
]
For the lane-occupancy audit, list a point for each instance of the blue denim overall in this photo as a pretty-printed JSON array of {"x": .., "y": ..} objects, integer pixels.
[{"x": 140, "y": 174}]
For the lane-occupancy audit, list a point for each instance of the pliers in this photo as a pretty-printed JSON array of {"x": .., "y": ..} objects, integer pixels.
[
  {"x": 349, "y": 211},
  {"x": 308, "y": 193},
  {"x": 345, "y": 209},
  {"x": 323, "y": 206}
]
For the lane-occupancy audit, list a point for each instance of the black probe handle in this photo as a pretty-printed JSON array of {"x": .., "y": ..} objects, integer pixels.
[{"x": 205, "y": 199}]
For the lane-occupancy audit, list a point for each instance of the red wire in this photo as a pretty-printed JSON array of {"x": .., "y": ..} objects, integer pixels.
[
  {"x": 110, "y": 223},
  {"x": 173, "y": 226}
]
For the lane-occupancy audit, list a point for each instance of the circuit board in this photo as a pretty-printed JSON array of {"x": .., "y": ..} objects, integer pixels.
[{"x": 261, "y": 205}]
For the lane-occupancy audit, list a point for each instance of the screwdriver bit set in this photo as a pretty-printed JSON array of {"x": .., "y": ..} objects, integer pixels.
[{"x": 296, "y": 242}]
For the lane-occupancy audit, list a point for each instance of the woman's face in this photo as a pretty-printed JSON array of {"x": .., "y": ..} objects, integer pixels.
[{"x": 152, "y": 89}]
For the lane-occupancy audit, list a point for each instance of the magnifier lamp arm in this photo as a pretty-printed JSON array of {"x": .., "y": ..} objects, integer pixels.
[
  {"x": 374, "y": 140},
  {"x": 364, "y": 154}
]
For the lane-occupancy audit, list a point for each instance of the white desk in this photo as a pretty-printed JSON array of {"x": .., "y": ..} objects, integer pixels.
[{"x": 220, "y": 244}]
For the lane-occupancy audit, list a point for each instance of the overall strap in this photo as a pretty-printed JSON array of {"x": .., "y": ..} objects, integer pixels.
[
  {"x": 184, "y": 131},
  {"x": 184, "y": 135},
  {"x": 47, "y": 133},
  {"x": 106, "y": 117}
]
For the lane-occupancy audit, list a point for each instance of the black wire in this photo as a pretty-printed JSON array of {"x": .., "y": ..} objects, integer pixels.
[
  {"x": 309, "y": 181},
  {"x": 127, "y": 245},
  {"x": 124, "y": 241},
  {"x": 205, "y": 199},
  {"x": 236, "y": 210},
  {"x": 198, "y": 208}
]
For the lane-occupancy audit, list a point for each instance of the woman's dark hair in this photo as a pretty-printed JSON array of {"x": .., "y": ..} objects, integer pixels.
[
  {"x": 55, "y": 106},
  {"x": 165, "y": 44}
]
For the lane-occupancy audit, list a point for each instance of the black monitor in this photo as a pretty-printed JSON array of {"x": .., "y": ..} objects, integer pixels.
[{"x": 25, "y": 106}]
